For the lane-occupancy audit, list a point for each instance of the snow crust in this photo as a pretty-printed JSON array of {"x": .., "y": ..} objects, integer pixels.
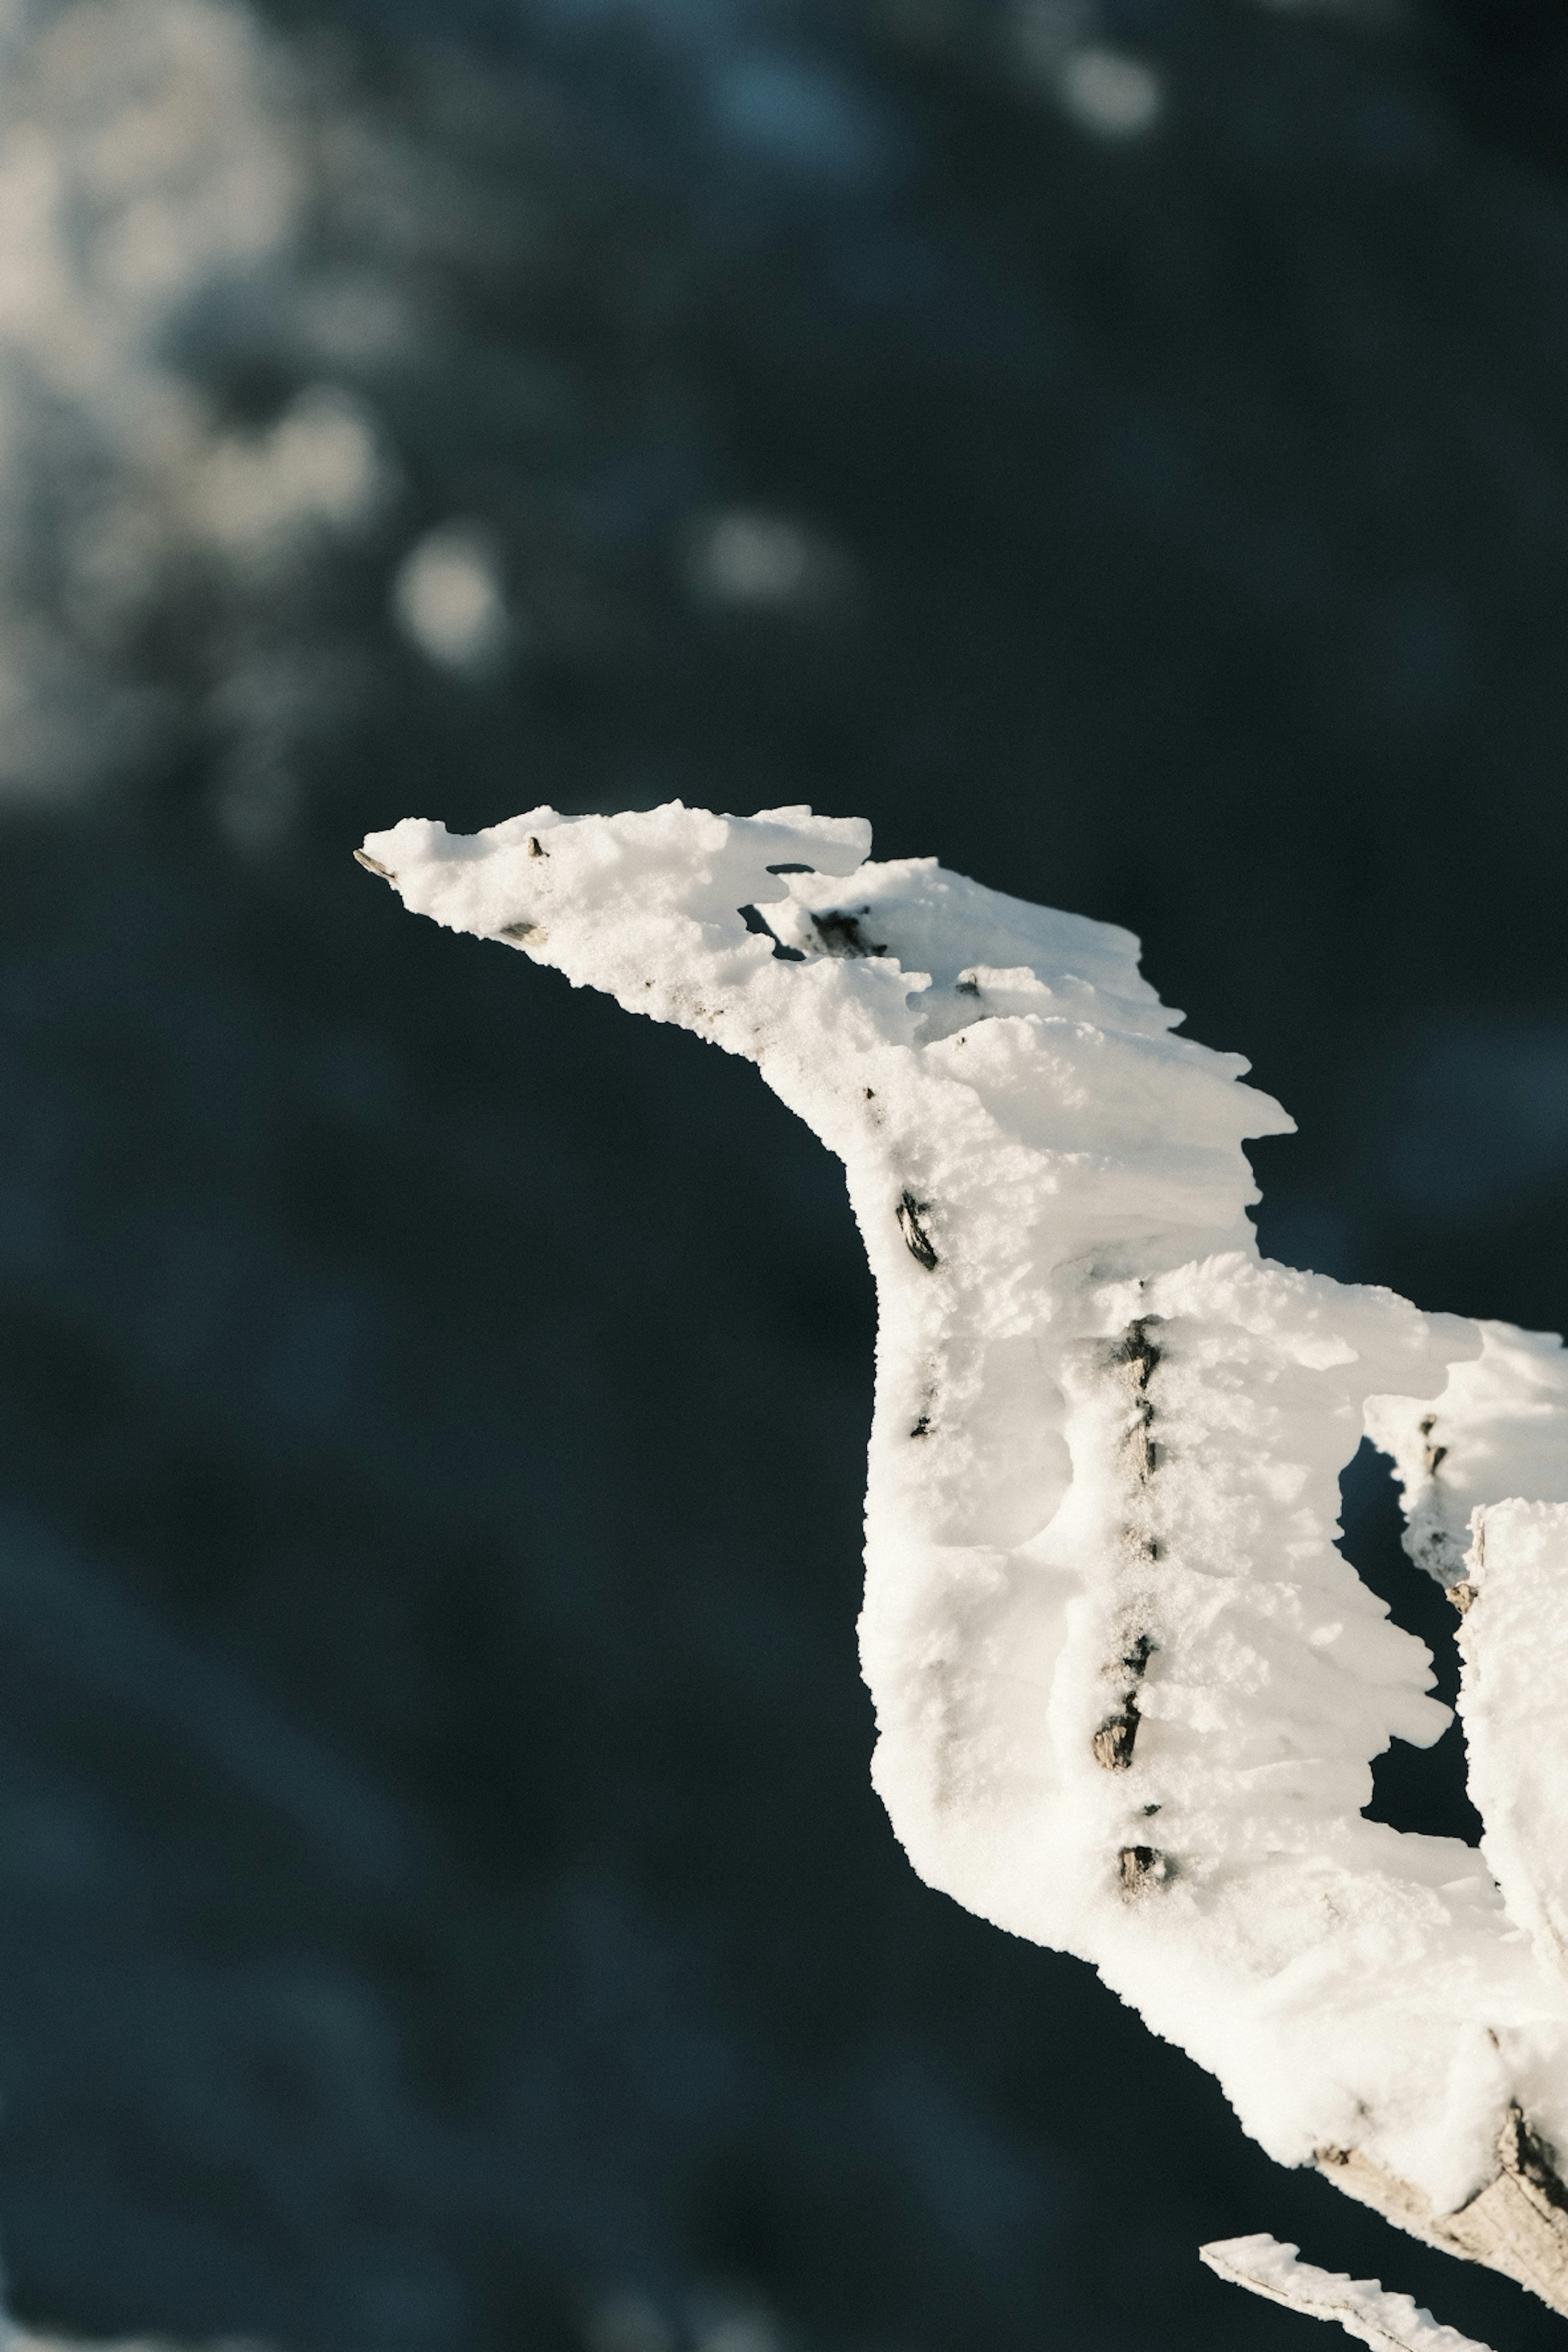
[
  {"x": 1127, "y": 1689},
  {"x": 1390, "y": 2323}
]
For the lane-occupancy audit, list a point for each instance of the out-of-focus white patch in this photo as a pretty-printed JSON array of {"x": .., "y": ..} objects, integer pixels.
[
  {"x": 144, "y": 148},
  {"x": 754, "y": 561},
  {"x": 627, "y": 2322},
  {"x": 1108, "y": 92},
  {"x": 744, "y": 2330},
  {"x": 318, "y": 465},
  {"x": 450, "y": 599},
  {"x": 24, "y": 2339},
  {"x": 152, "y": 163},
  {"x": 1055, "y": 45}
]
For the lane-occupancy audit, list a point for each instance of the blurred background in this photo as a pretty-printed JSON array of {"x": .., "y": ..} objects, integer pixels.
[{"x": 1121, "y": 446}]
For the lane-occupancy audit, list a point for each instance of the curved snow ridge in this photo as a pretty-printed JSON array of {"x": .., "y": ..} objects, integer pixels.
[{"x": 1127, "y": 1689}]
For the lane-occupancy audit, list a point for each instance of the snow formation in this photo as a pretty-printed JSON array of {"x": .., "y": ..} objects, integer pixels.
[
  {"x": 1389, "y": 2323},
  {"x": 1127, "y": 1689}
]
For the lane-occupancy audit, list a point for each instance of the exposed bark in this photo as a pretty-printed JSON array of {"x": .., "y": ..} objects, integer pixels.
[{"x": 1517, "y": 2224}]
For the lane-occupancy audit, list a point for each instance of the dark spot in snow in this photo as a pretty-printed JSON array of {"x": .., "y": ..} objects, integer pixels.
[
  {"x": 533, "y": 848},
  {"x": 968, "y": 988},
  {"x": 916, "y": 1239},
  {"x": 1113, "y": 1742},
  {"x": 1138, "y": 1865},
  {"x": 922, "y": 1426},
  {"x": 518, "y": 930},
  {"x": 792, "y": 869},
  {"x": 841, "y": 935},
  {"x": 1137, "y": 1351},
  {"x": 1434, "y": 1454}
]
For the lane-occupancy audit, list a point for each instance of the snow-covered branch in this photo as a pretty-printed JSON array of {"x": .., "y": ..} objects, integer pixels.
[
  {"x": 1389, "y": 2323},
  {"x": 1128, "y": 1688}
]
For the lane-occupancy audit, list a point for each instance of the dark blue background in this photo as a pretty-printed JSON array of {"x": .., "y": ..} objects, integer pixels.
[{"x": 442, "y": 1904}]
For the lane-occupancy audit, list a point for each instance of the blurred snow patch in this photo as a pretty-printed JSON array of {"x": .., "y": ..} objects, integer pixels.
[
  {"x": 1108, "y": 92},
  {"x": 1104, "y": 89},
  {"x": 711, "y": 2321},
  {"x": 143, "y": 147},
  {"x": 23, "y": 2340},
  {"x": 449, "y": 600},
  {"x": 747, "y": 2329},
  {"x": 150, "y": 161},
  {"x": 318, "y": 465},
  {"x": 627, "y": 2323},
  {"x": 751, "y": 560}
]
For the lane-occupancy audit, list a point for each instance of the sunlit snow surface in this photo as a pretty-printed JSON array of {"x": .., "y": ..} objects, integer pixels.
[{"x": 1127, "y": 1689}]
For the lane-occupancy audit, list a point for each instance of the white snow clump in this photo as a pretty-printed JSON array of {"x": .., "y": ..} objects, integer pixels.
[{"x": 1128, "y": 1688}]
